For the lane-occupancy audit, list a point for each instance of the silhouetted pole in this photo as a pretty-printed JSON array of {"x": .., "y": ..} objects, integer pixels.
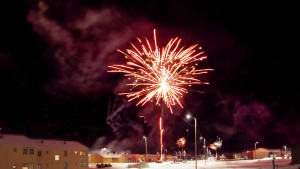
[
  {"x": 146, "y": 147},
  {"x": 273, "y": 162},
  {"x": 195, "y": 143},
  {"x": 255, "y": 149}
]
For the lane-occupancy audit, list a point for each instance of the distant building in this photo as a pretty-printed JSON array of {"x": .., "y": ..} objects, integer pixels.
[
  {"x": 263, "y": 153},
  {"x": 106, "y": 158},
  {"x": 259, "y": 153},
  {"x": 117, "y": 158},
  {"x": 21, "y": 152},
  {"x": 296, "y": 154},
  {"x": 98, "y": 157}
]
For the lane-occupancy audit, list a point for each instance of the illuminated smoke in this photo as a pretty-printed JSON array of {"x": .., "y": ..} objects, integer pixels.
[{"x": 83, "y": 47}]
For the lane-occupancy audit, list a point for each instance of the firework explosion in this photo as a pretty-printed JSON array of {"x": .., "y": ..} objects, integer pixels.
[
  {"x": 181, "y": 142},
  {"x": 161, "y": 73}
]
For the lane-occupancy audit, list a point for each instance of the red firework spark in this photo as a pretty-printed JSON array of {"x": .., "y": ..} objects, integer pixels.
[
  {"x": 161, "y": 73},
  {"x": 181, "y": 142}
]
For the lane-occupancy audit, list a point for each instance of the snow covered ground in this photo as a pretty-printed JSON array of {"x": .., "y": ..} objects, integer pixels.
[{"x": 244, "y": 164}]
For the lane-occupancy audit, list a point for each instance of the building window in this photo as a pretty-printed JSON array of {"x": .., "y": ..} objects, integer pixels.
[
  {"x": 81, "y": 153},
  {"x": 25, "y": 151},
  {"x": 56, "y": 157},
  {"x": 31, "y": 151},
  {"x": 65, "y": 153},
  {"x": 81, "y": 164},
  {"x": 46, "y": 165},
  {"x": 24, "y": 166},
  {"x": 76, "y": 152},
  {"x": 31, "y": 166},
  {"x": 47, "y": 152},
  {"x": 14, "y": 166},
  {"x": 39, "y": 166},
  {"x": 65, "y": 165},
  {"x": 39, "y": 153},
  {"x": 15, "y": 150}
]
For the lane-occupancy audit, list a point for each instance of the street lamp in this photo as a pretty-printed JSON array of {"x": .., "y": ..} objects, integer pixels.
[
  {"x": 188, "y": 116},
  {"x": 204, "y": 147},
  {"x": 204, "y": 143},
  {"x": 285, "y": 151},
  {"x": 255, "y": 149},
  {"x": 145, "y": 138}
]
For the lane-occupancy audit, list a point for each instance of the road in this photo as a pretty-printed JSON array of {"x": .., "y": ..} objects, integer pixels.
[{"x": 243, "y": 164}]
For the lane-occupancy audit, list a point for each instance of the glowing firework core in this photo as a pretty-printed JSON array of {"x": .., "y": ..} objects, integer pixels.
[
  {"x": 181, "y": 142},
  {"x": 161, "y": 74}
]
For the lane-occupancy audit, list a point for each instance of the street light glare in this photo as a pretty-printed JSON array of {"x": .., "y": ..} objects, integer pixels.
[{"x": 188, "y": 116}]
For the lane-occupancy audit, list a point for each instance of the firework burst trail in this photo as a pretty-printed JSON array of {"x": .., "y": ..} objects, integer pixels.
[{"x": 160, "y": 74}]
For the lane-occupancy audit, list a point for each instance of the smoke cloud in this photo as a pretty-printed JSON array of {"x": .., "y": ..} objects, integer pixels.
[{"x": 84, "y": 46}]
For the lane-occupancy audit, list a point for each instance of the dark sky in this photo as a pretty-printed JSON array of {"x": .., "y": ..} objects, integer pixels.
[{"x": 54, "y": 56}]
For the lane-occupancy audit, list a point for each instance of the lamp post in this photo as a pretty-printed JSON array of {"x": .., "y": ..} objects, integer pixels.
[
  {"x": 255, "y": 149},
  {"x": 188, "y": 116},
  {"x": 145, "y": 138},
  {"x": 284, "y": 151},
  {"x": 204, "y": 145}
]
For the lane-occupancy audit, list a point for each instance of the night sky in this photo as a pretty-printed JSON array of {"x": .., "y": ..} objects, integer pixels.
[{"x": 54, "y": 56}]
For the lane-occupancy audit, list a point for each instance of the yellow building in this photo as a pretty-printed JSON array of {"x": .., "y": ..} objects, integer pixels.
[
  {"x": 106, "y": 158},
  {"x": 21, "y": 152},
  {"x": 263, "y": 153}
]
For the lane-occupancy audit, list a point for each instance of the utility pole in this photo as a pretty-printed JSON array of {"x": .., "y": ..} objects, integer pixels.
[
  {"x": 146, "y": 147},
  {"x": 255, "y": 149},
  {"x": 195, "y": 143},
  {"x": 285, "y": 154},
  {"x": 188, "y": 116}
]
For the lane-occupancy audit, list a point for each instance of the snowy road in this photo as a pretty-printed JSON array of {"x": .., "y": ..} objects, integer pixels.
[{"x": 244, "y": 164}]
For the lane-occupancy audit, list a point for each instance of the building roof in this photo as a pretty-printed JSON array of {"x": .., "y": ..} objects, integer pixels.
[
  {"x": 267, "y": 150},
  {"x": 110, "y": 155},
  {"x": 21, "y": 140}
]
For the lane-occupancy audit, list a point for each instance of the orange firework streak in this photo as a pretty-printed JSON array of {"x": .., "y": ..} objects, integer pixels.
[
  {"x": 161, "y": 136},
  {"x": 160, "y": 73},
  {"x": 181, "y": 142}
]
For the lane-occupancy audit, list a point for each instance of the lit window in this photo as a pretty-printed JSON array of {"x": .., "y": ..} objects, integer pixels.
[
  {"x": 75, "y": 152},
  {"x": 81, "y": 153},
  {"x": 25, "y": 166},
  {"x": 14, "y": 166},
  {"x": 25, "y": 151},
  {"x": 31, "y": 151},
  {"x": 56, "y": 157},
  {"x": 65, "y": 153}
]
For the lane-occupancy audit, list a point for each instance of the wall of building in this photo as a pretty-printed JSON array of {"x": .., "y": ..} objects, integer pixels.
[
  {"x": 13, "y": 156},
  {"x": 16, "y": 156},
  {"x": 296, "y": 154},
  {"x": 96, "y": 158}
]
